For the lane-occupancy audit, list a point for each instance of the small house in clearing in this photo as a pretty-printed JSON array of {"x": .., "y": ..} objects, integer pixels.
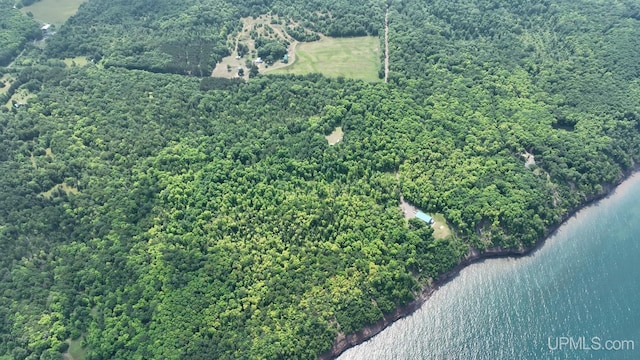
[
  {"x": 46, "y": 27},
  {"x": 424, "y": 217}
]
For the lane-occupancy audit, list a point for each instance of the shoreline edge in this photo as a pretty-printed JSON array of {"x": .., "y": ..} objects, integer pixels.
[{"x": 343, "y": 342}]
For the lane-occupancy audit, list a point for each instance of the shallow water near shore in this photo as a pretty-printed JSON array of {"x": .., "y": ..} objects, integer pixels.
[{"x": 581, "y": 287}]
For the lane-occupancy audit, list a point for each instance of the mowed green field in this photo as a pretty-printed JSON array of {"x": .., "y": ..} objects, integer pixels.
[
  {"x": 357, "y": 58},
  {"x": 53, "y": 12}
]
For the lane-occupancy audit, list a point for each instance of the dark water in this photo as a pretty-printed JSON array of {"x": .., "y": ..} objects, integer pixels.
[{"x": 579, "y": 295}]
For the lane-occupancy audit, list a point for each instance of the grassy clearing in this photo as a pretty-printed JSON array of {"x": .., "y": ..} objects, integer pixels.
[
  {"x": 76, "y": 61},
  {"x": 335, "y": 136},
  {"x": 21, "y": 96},
  {"x": 75, "y": 351},
  {"x": 440, "y": 228},
  {"x": 228, "y": 68},
  {"x": 6, "y": 80},
  {"x": 53, "y": 12},
  {"x": 357, "y": 58},
  {"x": 60, "y": 187}
]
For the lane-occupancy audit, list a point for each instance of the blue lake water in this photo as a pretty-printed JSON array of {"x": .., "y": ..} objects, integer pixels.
[{"x": 577, "y": 297}]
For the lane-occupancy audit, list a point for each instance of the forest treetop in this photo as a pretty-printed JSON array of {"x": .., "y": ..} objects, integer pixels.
[{"x": 155, "y": 215}]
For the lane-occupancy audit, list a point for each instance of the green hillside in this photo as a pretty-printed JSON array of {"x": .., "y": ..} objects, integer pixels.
[{"x": 148, "y": 211}]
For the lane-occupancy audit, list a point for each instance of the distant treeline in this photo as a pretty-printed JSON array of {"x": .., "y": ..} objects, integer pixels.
[{"x": 23, "y": 3}]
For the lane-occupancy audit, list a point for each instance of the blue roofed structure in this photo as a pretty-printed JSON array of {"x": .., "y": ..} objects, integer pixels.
[{"x": 424, "y": 217}]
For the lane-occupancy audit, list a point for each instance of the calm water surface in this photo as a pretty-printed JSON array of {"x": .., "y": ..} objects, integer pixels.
[{"x": 578, "y": 294}]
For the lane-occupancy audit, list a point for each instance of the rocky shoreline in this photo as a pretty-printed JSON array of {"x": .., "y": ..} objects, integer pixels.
[{"x": 344, "y": 342}]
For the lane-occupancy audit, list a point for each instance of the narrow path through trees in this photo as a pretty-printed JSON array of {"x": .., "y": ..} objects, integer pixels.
[
  {"x": 386, "y": 45},
  {"x": 16, "y": 59}
]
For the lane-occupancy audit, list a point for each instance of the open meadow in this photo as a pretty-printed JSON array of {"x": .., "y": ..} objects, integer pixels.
[
  {"x": 76, "y": 61},
  {"x": 357, "y": 57},
  {"x": 53, "y": 12}
]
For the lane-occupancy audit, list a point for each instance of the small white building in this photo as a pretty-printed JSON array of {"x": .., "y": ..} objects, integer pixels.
[
  {"x": 46, "y": 27},
  {"x": 258, "y": 61}
]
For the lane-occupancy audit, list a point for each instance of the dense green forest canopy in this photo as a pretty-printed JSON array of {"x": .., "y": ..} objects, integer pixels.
[
  {"x": 15, "y": 31},
  {"x": 154, "y": 215}
]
